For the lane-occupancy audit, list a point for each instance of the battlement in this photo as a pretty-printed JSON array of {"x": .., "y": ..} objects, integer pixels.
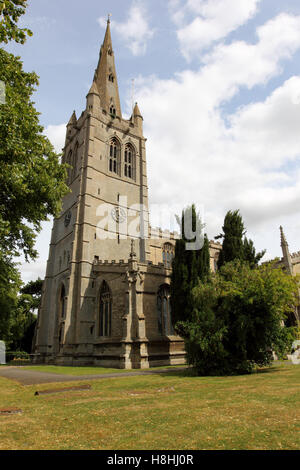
[
  {"x": 158, "y": 233},
  {"x": 296, "y": 256}
]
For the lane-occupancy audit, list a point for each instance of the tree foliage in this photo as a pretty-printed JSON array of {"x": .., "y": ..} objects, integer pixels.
[
  {"x": 188, "y": 265},
  {"x": 24, "y": 320},
  {"x": 32, "y": 180},
  {"x": 10, "y": 12},
  {"x": 10, "y": 283},
  {"x": 237, "y": 320},
  {"x": 235, "y": 245}
]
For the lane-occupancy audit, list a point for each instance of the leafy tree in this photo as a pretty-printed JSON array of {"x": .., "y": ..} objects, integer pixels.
[
  {"x": 32, "y": 180},
  {"x": 237, "y": 320},
  {"x": 24, "y": 320},
  {"x": 235, "y": 245},
  {"x": 10, "y": 282},
  {"x": 10, "y": 12}
]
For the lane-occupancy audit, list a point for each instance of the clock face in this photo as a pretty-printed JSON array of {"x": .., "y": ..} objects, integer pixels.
[
  {"x": 68, "y": 218},
  {"x": 118, "y": 214}
]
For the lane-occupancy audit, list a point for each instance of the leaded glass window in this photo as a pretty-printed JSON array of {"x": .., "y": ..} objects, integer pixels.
[
  {"x": 129, "y": 161},
  {"x": 114, "y": 152},
  {"x": 105, "y": 310},
  {"x": 168, "y": 255},
  {"x": 164, "y": 318}
]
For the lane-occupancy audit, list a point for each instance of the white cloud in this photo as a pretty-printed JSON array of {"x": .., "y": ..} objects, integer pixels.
[
  {"x": 214, "y": 21},
  {"x": 135, "y": 31},
  {"x": 248, "y": 160},
  {"x": 56, "y": 134}
]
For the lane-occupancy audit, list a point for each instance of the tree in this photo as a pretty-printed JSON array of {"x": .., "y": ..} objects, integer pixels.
[
  {"x": 237, "y": 320},
  {"x": 250, "y": 255},
  {"x": 10, "y": 283},
  {"x": 10, "y": 12},
  {"x": 234, "y": 231},
  {"x": 25, "y": 318},
  {"x": 235, "y": 247},
  {"x": 204, "y": 261},
  {"x": 188, "y": 264},
  {"x": 32, "y": 180}
]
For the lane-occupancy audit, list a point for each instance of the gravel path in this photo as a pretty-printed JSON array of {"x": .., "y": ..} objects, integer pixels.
[{"x": 31, "y": 377}]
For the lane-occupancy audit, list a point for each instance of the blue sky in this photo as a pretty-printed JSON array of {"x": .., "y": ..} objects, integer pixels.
[{"x": 218, "y": 84}]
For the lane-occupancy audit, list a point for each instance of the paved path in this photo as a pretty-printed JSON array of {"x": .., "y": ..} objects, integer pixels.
[{"x": 32, "y": 377}]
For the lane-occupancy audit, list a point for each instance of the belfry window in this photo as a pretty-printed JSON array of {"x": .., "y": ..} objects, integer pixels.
[
  {"x": 129, "y": 160},
  {"x": 111, "y": 78},
  {"x": 112, "y": 110},
  {"x": 105, "y": 310},
  {"x": 168, "y": 255},
  {"x": 62, "y": 301},
  {"x": 70, "y": 169},
  {"x": 114, "y": 152},
  {"x": 165, "y": 326},
  {"x": 74, "y": 162}
]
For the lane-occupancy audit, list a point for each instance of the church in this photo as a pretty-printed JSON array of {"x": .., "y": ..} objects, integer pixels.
[{"x": 106, "y": 294}]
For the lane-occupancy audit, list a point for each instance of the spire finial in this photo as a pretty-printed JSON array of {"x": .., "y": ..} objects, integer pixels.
[
  {"x": 108, "y": 18},
  {"x": 132, "y": 251},
  {"x": 282, "y": 236}
]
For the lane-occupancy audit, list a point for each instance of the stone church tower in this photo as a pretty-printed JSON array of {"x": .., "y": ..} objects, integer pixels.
[{"x": 106, "y": 298}]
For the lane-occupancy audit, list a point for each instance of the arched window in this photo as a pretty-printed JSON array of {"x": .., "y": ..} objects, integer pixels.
[
  {"x": 105, "y": 310},
  {"x": 112, "y": 110},
  {"x": 111, "y": 78},
  {"x": 61, "y": 336},
  {"x": 74, "y": 160},
  {"x": 168, "y": 255},
  {"x": 69, "y": 162},
  {"x": 62, "y": 302},
  {"x": 165, "y": 326},
  {"x": 114, "y": 153},
  {"x": 129, "y": 161}
]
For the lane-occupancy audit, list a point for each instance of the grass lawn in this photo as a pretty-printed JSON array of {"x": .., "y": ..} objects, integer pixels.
[
  {"x": 85, "y": 370},
  {"x": 164, "y": 411}
]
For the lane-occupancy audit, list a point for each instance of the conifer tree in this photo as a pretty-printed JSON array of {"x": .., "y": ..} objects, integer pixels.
[
  {"x": 187, "y": 267},
  {"x": 250, "y": 255},
  {"x": 204, "y": 261},
  {"x": 235, "y": 245},
  {"x": 234, "y": 231}
]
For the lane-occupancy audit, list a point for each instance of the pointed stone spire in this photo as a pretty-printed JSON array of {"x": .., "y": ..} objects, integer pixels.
[
  {"x": 137, "y": 117},
  {"x": 136, "y": 111},
  {"x": 72, "y": 123},
  {"x": 132, "y": 261},
  {"x": 285, "y": 252},
  {"x": 106, "y": 77},
  {"x": 93, "y": 99},
  {"x": 94, "y": 89},
  {"x": 73, "y": 120},
  {"x": 132, "y": 250}
]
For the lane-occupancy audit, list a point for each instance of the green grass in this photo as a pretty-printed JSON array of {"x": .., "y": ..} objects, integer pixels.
[
  {"x": 85, "y": 370},
  {"x": 166, "y": 411}
]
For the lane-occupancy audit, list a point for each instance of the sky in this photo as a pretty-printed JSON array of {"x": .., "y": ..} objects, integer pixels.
[{"x": 218, "y": 85}]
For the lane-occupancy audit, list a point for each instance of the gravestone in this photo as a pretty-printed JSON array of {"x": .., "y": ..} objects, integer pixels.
[{"x": 2, "y": 352}]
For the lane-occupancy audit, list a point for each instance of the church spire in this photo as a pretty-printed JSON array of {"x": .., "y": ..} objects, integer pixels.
[
  {"x": 106, "y": 77},
  {"x": 285, "y": 252}
]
